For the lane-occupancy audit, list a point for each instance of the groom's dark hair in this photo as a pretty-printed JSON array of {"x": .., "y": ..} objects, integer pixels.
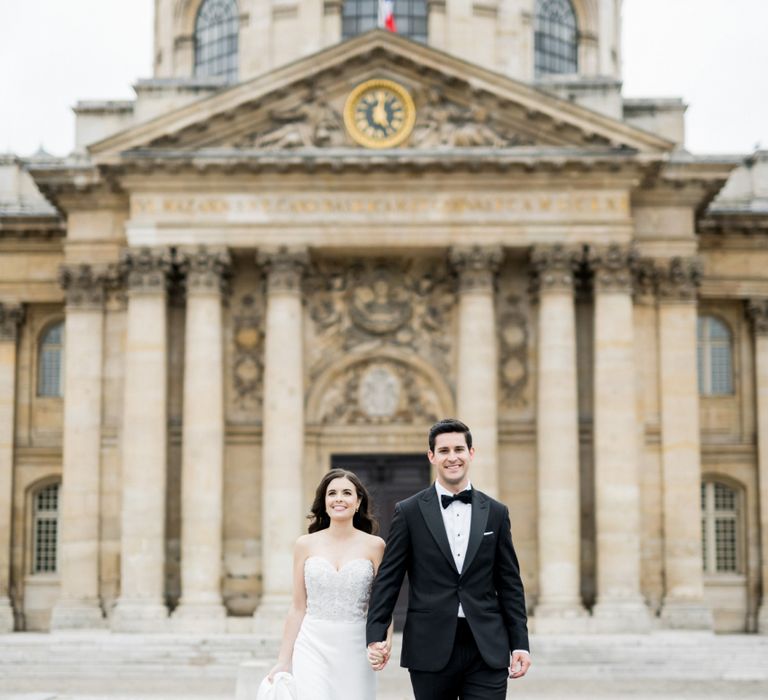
[{"x": 448, "y": 425}]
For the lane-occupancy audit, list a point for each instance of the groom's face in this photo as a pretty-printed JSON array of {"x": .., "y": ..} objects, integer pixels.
[{"x": 451, "y": 459}]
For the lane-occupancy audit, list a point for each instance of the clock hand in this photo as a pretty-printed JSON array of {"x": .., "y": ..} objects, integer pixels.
[{"x": 379, "y": 114}]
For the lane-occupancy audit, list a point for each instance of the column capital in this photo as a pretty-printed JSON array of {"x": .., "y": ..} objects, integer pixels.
[
  {"x": 84, "y": 285},
  {"x": 11, "y": 317},
  {"x": 678, "y": 279},
  {"x": 554, "y": 267},
  {"x": 284, "y": 267},
  {"x": 613, "y": 267},
  {"x": 476, "y": 266},
  {"x": 146, "y": 270},
  {"x": 207, "y": 269},
  {"x": 757, "y": 310}
]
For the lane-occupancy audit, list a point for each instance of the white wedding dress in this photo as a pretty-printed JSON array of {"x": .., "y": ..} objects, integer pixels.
[{"x": 329, "y": 657}]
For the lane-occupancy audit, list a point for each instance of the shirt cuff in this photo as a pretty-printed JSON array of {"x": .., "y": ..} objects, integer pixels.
[{"x": 521, "y": 651}]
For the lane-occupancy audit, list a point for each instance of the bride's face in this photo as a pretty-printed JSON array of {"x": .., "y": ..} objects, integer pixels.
[{"x": 341, "y": 499}]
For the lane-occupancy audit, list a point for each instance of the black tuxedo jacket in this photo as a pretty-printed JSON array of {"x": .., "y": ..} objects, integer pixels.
[{"x": 489, "y": 587}]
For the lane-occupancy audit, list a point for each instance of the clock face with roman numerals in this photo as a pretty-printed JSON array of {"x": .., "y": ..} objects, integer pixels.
[{"x": 379, "y": 114}]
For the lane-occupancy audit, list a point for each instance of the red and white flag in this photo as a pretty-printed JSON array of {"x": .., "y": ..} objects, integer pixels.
[{"x": 387, "y": 15}]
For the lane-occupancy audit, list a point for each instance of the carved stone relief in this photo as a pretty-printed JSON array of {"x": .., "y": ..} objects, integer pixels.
[
  {"x": 247, "y": 328},
  {"x": 513, "y": 350}
]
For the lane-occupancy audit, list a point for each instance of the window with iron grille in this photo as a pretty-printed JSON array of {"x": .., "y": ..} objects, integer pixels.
[
  {"x": 50, "y": 359},
  {"x": 216, "y": 37},
  {"x": 45, "y": 529},
  {"x": 715, "y": 357},
  {"x": 358, "y": 16},
  {"x": 720, "y": 528},
  {"x": 556, "y": 38}
]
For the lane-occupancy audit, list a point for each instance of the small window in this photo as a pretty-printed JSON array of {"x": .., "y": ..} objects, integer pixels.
[
  {"x": 555, "y": 38},
  {"x": 45, "y": 530},
  {"x": 50, "y": 359},
  {"x": 216, "y": 38},
  {"x": 715, "y": 357},
  {"x": 358, "y": 16},
  {"x": 720, "y": 531}
]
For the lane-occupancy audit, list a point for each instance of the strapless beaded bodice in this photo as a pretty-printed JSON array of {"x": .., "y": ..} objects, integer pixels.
[{"x": 338, "y": 595}]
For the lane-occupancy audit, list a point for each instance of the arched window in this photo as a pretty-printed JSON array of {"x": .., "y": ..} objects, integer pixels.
[
  {"x": 715, "y": 357},
  {"x": 45, "y": 529},
  {"x": 358, "y": 16},
  {"x": 216, "y": 31},
  {"x": 49, "y": 365},
  {"x": 720, "y": 528},
  {"x": 556, "y": 37}
]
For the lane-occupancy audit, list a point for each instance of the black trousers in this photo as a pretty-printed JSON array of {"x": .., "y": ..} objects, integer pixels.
[{"x": 466, "y": 676}]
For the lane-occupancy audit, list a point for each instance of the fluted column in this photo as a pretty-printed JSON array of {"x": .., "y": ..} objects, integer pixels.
[
  {"x": 758, "y": 311},
  {"x": 202, "y": 451},
  {"x": 79, "y": 605},
  {"x": 683, "y": 604},
  {"x": 283, "y": 430},
  {"x": 11, "y": 316},
  {"x": 478, "y": 359},
  {"x": 557, "y": 441},
  {"x": 141, "y": 605},
  {"x": 620, "y": 606}
]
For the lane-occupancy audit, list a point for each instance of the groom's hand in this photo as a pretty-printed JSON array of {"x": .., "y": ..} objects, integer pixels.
[
  {"x": 378, "y": 655},
  {"x": 519, "y": 664}
]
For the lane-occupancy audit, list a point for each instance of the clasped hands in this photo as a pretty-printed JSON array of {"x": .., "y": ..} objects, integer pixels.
[{"x": 378, "y": 654}]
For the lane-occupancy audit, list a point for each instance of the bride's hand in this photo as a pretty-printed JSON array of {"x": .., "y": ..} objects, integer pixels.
[
  {"x": 279, "y": 667},
  {"x": 378, "y": 655}
]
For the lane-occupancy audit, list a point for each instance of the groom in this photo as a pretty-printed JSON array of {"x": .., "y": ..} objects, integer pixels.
[{"x": 465, "y": 631}]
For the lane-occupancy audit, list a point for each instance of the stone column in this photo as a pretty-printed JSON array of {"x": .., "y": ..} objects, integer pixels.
[
  {"x": 202, "y": 450},
  {"x": 283, "y": 431},
  {"x": 79, "y": 605},
  {"x": 478, "y": 359},
  {"x": 141, "y": 605},
  {"x": 758, "y": 311},
  {"x": 683, "y": 604},
  {"x": 11, "y": 316},
  {"x": 557, "y": 441},
  {"x": 620, "y": 606}
]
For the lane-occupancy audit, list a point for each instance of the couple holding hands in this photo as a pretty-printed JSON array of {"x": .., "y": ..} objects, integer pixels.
[{"x": 465, "y": 631}]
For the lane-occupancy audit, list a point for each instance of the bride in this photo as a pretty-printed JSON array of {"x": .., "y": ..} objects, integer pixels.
[{"x": 333, "y": 569}]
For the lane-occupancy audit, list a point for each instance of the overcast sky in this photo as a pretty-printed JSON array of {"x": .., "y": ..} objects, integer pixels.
[{"x": 712, "y": 53}]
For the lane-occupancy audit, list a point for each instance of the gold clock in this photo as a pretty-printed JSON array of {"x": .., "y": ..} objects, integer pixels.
[{"x": 379, "y": 114}]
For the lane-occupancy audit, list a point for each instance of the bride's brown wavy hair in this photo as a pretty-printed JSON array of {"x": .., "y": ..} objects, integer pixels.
[{"x": 362, "y": 520}]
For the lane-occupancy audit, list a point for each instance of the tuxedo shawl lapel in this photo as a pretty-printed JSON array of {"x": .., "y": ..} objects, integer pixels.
[
  {"x": 480, "y": 510},
  {"x": 430, "y": 510}
]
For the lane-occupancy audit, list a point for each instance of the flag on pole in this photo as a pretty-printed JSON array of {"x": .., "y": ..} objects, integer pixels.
[{"x": 387, "y": 15}]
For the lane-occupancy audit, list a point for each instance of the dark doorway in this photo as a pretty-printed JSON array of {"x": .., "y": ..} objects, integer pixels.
[{"x": 389, "y": 478}]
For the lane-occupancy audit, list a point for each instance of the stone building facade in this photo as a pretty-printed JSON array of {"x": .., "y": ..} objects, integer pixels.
[{"x": 238, "y": 280}]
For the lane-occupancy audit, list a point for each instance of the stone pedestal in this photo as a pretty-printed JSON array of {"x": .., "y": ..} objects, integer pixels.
[
  {"x": 201, "y": 608},
  {"x": 478, "y": 360},
  {"x": 559, "y": 606},
  {"x": 11, "y": 315},
  {"x": 683, "y": 606},
  {"x": 758, "y": 310},
  {"x": 619, "y": 606},
  {"x": 283, "y": 433},
  {"x": 79, "y": 605},
  {"x": 141, "y": 605}
]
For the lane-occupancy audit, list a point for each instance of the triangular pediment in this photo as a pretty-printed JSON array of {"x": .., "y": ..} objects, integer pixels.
[{"x": 458, "y": 106}]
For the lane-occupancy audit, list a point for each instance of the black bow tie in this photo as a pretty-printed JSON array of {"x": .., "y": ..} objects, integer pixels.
[{"x": 463, "y": 496}]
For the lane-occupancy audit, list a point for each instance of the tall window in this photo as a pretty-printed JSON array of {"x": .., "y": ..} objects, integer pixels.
[
  {"x": 556, "y": 37},
  {"x": 720, "y": 506},
  {"x": 216, "y": 31},
  {"x": 45, "y": 528},
  {"x": 358, "y": 16},
  {"x": 49, "y": 366},
  {"x": 715, "y": 357}
]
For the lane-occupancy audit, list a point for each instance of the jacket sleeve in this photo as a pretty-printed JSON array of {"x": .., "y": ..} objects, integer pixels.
[
  {"x": 389, "y": 579},
  {"x": 509, "y": 588}
]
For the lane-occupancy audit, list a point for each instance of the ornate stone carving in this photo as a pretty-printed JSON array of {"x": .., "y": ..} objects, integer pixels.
[
  {"x": 379, "y": 392},
  {"x": 248, "y": 354},
  {"x": 646, "y": 279},
  {"x": 146, "y": 270},
  {"x": 84, "y": 286},
  {"x": 378, "y": 305},
  {"x": 554, "y": 267},
  {"x": 513, "y": 349},
  {"x": 679, "y": 279},
  {"x": 11, "y": 318},
  {"x": 613, "y": 268},
  {"x": 476, "y": 266},
  {"x": 757, "y": 310},
  {"x": 207, "y": 270},
  {"x": 284, "y": 268}
]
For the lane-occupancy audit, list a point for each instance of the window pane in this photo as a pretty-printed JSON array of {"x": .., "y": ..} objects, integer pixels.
[
  {"x": 555, "y": 37},
  {"x": 360, "y": 16},
  {"x": 49, "y": 366},
  {"x": 216, "y": 39},
  {"x": 725, "y": 537},
  {"x": 45, "y": 529}
]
